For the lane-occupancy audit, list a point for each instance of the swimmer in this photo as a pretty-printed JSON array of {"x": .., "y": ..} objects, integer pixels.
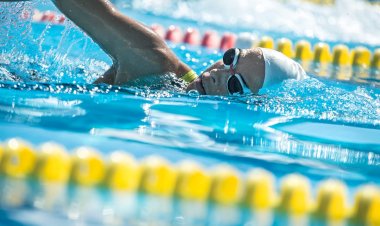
[{"x": 137, "y": 51}]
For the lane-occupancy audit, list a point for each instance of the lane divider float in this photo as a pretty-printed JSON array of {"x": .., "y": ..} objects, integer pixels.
[
  {"x": 188, "y": 180},
  {"x": 210, "y": 40},
  {"x": 48, "y": 17},
  {"x": 339, "y": 55},
  {"x": 192, "y": 36}
]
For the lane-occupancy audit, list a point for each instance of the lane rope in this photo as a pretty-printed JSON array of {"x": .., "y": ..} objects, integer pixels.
[{"x": 188, "y": 180}]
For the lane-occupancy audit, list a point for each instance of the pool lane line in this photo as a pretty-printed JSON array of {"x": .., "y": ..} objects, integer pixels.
[
  {"x": 346, "y": 61},
  {"x": 222, "y": 184}
]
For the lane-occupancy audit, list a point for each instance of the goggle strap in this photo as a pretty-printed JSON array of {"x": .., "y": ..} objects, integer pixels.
[
  {"x": 243, "y": 85},
  {"x": 236, "y": 58}
]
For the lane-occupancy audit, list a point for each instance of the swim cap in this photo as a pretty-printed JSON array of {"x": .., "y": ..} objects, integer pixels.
[{"x": 279, "y": 67}]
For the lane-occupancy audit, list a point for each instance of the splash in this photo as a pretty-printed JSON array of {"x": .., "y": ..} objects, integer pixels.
[
  {"x": 15, "y": 25},
  {"x": 19, "y": 67},
  {"x": 166, "y": 82},
  {"x": 333, "y": 101},
  {"x": 67, "y": 58},
  {"x": 32, "y": 52}
]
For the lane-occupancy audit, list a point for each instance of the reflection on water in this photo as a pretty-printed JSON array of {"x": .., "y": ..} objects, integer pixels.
[
  {"x": 56, "y": 204},
  {"x": 353, "y": 74},
  {"x": 48, "y": 85},
  {"x": 251, "y": 127}
]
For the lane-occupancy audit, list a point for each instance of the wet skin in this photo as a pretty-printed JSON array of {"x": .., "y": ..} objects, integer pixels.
[
  {"x": 137, "y": 51},
  {"x": 213, "y": 81}
]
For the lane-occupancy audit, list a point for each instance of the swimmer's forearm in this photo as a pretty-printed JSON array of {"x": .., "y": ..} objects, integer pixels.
[
  {"x": 122, "y": 37},
  {"x": 112, "y": 30}
]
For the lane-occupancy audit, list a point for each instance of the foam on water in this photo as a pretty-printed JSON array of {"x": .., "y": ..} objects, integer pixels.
[
  {"x": 342, "y": 21},
  {"x": 312, "y": 98},
  {"x": 236, "y": 126},
  {"x": 15, "y": 24}
]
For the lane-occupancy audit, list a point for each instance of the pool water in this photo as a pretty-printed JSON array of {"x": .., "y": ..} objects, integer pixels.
[{"x": 318, "y": 127}]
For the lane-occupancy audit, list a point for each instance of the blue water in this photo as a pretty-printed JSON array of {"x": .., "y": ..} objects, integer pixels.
[
  {"x": 320, "y": 128},
  {"x": 51, "y": 91}
]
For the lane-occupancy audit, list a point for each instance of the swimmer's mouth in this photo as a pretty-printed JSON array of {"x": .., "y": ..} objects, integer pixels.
[{"x": 197, "y": 85}]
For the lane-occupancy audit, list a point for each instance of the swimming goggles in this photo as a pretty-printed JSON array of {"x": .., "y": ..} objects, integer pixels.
[{"x": 235, "y": 83}]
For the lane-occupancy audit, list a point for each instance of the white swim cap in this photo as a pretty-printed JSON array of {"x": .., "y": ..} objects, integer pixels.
[{"x": 279, "y": 67}]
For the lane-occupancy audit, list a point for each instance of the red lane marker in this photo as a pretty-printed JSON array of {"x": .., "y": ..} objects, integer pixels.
[
  {"x": 37, "y": 16},
  {"x": 228, "y": 41},
  {"x": 191, "y": 36},
  {"x": 61, "y": 19},
  {"x": 174, "y": 34},
  {"x": 48, "y": 16},
  {"x": 158, "y": 29},
  {"x": 210, "y": 40}
]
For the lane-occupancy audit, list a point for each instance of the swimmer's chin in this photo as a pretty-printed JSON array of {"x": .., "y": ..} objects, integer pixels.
[{"x": 196, "y": 85}]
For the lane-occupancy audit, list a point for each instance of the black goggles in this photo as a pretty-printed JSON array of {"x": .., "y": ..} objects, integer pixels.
[{"x": 235, "y": 83}]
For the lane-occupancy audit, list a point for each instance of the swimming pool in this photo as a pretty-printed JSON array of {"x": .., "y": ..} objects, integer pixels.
[{"x": 319, "y": 128}]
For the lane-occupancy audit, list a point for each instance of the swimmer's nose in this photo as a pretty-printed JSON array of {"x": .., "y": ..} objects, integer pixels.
[
  {"x": 207, "y": 76},
  {"x": 219, "y": 76}
]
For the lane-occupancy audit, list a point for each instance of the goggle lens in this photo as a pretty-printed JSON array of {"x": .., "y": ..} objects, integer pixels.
[
  {"x": 229, "y": 57},
  {"x": 234, "y": 85}
]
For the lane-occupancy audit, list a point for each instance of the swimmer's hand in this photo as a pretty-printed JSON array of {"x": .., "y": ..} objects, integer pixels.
[{"x": 14, "y": 0}]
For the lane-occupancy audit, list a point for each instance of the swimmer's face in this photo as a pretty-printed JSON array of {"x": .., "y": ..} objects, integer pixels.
[{"x": 213, "y": 81}]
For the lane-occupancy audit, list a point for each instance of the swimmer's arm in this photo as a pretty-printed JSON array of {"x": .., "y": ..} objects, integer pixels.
[
  {"x": 108, "y": 77},
  {"x": 136, "y": 49}
]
